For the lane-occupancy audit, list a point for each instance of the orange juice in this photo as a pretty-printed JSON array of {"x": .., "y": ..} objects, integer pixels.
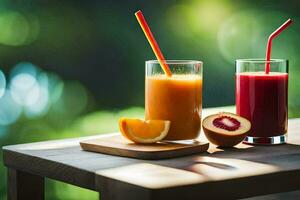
[{"x": 178, "y": 99}]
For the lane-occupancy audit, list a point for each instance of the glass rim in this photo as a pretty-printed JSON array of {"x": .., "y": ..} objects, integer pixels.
[
  {"x": 174, "y": 62},
  {"x": 260, "y": 60}
]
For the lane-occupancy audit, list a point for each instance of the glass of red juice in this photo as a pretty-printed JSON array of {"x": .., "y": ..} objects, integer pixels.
[{"x": 262, "y": 98}]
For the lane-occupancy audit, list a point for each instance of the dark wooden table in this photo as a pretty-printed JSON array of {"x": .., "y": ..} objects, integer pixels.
[{"x": 239, "y": 172}]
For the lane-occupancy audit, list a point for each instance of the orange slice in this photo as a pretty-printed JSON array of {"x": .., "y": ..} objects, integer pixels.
[{"x": 140, "y": 131}]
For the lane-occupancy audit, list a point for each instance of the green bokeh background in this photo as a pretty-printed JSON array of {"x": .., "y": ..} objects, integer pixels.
[{"x": 87, "y": 59}]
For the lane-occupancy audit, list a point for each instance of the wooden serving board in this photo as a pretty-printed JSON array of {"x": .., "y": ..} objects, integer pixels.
[{"x": 119, "y": 146}]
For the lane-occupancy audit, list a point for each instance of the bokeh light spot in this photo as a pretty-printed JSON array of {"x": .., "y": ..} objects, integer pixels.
[
  {"x": 24, "y": 67},
  {"x": 197, "y": 19},
  {"x": 210, "y": 14},
  {"x": 30, "y": 88},
  {"x": 2, "y": 83},
  {"x": 17, "y": 29},
  {"x": 14, "y": 28},
  {"x": 10, "y": 111},
  {"x": 39, "y": 97},
  {"x": 41, "y": 105},
  {"x": 22, "y": 87},
  {"x": 238, "y": 37},
  {"x": 245, "y": 35},
  {"x": 55, "y": 87}
]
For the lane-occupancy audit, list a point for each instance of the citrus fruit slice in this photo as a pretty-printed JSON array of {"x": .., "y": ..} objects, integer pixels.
[{"x": 140, "y": 131}]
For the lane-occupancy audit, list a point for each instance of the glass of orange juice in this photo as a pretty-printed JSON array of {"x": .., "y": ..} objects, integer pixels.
[{"x": 177, "y": 98}]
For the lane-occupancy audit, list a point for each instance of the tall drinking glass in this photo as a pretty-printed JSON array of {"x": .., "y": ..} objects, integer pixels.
[
  {"x": 262, "y": 98},
  {"x": 177, "y": 98}
]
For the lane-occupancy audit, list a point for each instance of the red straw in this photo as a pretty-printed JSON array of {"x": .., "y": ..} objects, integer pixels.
[
  {"x": 143, "y": 23},
  {"x": 269, "y": 45}
]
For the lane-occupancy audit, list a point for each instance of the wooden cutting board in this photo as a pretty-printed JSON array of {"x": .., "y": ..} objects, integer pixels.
[{"x": 119, "y": 146}]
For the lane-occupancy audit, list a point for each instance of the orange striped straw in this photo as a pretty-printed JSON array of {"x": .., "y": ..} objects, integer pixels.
[{"x": 144, "y": 25}]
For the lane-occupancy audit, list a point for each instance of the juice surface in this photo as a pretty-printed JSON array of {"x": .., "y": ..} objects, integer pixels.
[
  {"x": 178, "y": 99},
  {"x": 262, "y": 99}
]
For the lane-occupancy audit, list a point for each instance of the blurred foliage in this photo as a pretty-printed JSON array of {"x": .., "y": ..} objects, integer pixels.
[{"x": 72, "y": 68}]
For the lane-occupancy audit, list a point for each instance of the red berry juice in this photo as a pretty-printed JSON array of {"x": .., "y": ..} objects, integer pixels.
[{"x": 262, "y": 99}]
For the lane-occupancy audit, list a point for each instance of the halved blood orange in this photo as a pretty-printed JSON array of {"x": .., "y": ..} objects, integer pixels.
[{"x": 141, "y": 131}]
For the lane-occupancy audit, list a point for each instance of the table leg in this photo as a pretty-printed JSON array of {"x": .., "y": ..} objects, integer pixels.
[{"x": 24, "y": 186}]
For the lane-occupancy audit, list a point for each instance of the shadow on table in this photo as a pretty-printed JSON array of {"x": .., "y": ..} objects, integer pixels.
[
  {"x": 254, "y": 152},
  {"x": 216, "y": 165},
  {"x": 243, "y": 159}
]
